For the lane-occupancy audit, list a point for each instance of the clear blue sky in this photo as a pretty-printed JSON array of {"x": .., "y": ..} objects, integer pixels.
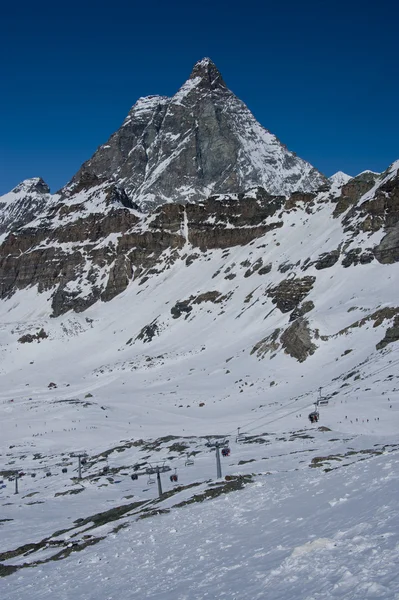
[{"x": 322, "y": 76}]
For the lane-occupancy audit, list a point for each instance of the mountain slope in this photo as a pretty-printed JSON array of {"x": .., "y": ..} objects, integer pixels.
[{"x": 202, "y": 141}]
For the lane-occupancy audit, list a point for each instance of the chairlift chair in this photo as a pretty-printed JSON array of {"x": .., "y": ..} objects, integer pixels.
[
  {"x": 134, "y": 476},
  {"x": 240, "y": 437},
  {"x": 150, "y": 479},
  {"x": 226, "y": 451},
  {"x": 174, "y": 477}
]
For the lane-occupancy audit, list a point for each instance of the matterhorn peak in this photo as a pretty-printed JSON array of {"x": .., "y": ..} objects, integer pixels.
[
  {"x": 208, "y": 73},
  {"x": 201, "y": 141}
]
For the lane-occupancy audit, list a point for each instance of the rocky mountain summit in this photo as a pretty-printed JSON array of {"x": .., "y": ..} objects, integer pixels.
[
  {"x": 200, "y": 142},
  {"x": 20, "y": 206}
]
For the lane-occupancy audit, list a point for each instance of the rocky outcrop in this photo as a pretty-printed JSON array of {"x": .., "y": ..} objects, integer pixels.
[
  {"x": 387, "y": 251},
  {"x": 297, "y": 341},
  {"x": 268, "y": 344},
  {"x": 391, "y": 335},
  {"x": 353, "y": 190},
  {"x": 357, "y": 256},
  {"x": 327, "y": 260},
  {"x": 288, "y": 294},
  {"x": 225, "y": 221},
  {"x": 379, "y": 210},
  {"x": 301, "y": 310}
]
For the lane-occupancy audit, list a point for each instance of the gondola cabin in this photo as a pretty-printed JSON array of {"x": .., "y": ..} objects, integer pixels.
[{"x": 314, "y": 416}]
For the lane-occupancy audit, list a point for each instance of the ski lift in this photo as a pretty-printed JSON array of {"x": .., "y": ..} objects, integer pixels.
[
  {"x": 174, "y": 477},
  {"x": 33, "y": 474},
  {"x": 134, "y": 476},
  {"x": 150, "y": 479},
  {"x": 240, "y": 437},
  {"x": 83, "y": 461},
  {"x": 189, "y": 461},
  {"x": 322, "y": 402},
  {"x": 64, "y": 470},
  {"x": 48, "y": 474},
  {"x": 226, "y": 451}
]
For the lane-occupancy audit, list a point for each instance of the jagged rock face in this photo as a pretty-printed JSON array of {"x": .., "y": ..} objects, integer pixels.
[
  {"x": 391, "y": 335},
  {"x": 222, "y": 222},
  {"x": 202, "y": 141},
  {"x": 297, "y": 340},
  {"x": 377, "y": 210},
  {"x": 110, "y": 242},
  {"x": 288, "y": 294}
]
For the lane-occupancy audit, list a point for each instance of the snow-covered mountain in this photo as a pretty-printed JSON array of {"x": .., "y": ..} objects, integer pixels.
[
  {"x": 135, "y": 336},
  {"x": 200, "y": 142},
  {"x": 26, "y": 201}
]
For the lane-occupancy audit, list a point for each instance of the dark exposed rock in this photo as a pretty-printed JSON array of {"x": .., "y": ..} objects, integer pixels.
[
  {"x": 296, "y": 197},
  {"x": 356, "y": 256},
  {"x": 148, "y": 332},
  {"x": 387, "y": 251},
  {"x": 352, "y": 191},
  {"x": 381, "y": 211},
  {"x": 285, "y": 267},
  {"x": 222, "y": 222},
  {"x": 301, "y": 310},
  {"x": 296, "y": 340},
  {"x": 269, "y": 343},
  {"x": 326, "y": 260},
  {"x": 255, "y": 267},
  {"x": 378, "y": 316},
  {"x": 290, "y": 292},
  {"x": 179, "y": 308},
  {"x": 118, "y": 279},
  {"x": 265, "y": 270},
  {"x": 191, "y": 258},
  {"x": 391, "y": 335},
  {"x": 207, "y": 297},
  {"x": 28, "y": 338}
]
